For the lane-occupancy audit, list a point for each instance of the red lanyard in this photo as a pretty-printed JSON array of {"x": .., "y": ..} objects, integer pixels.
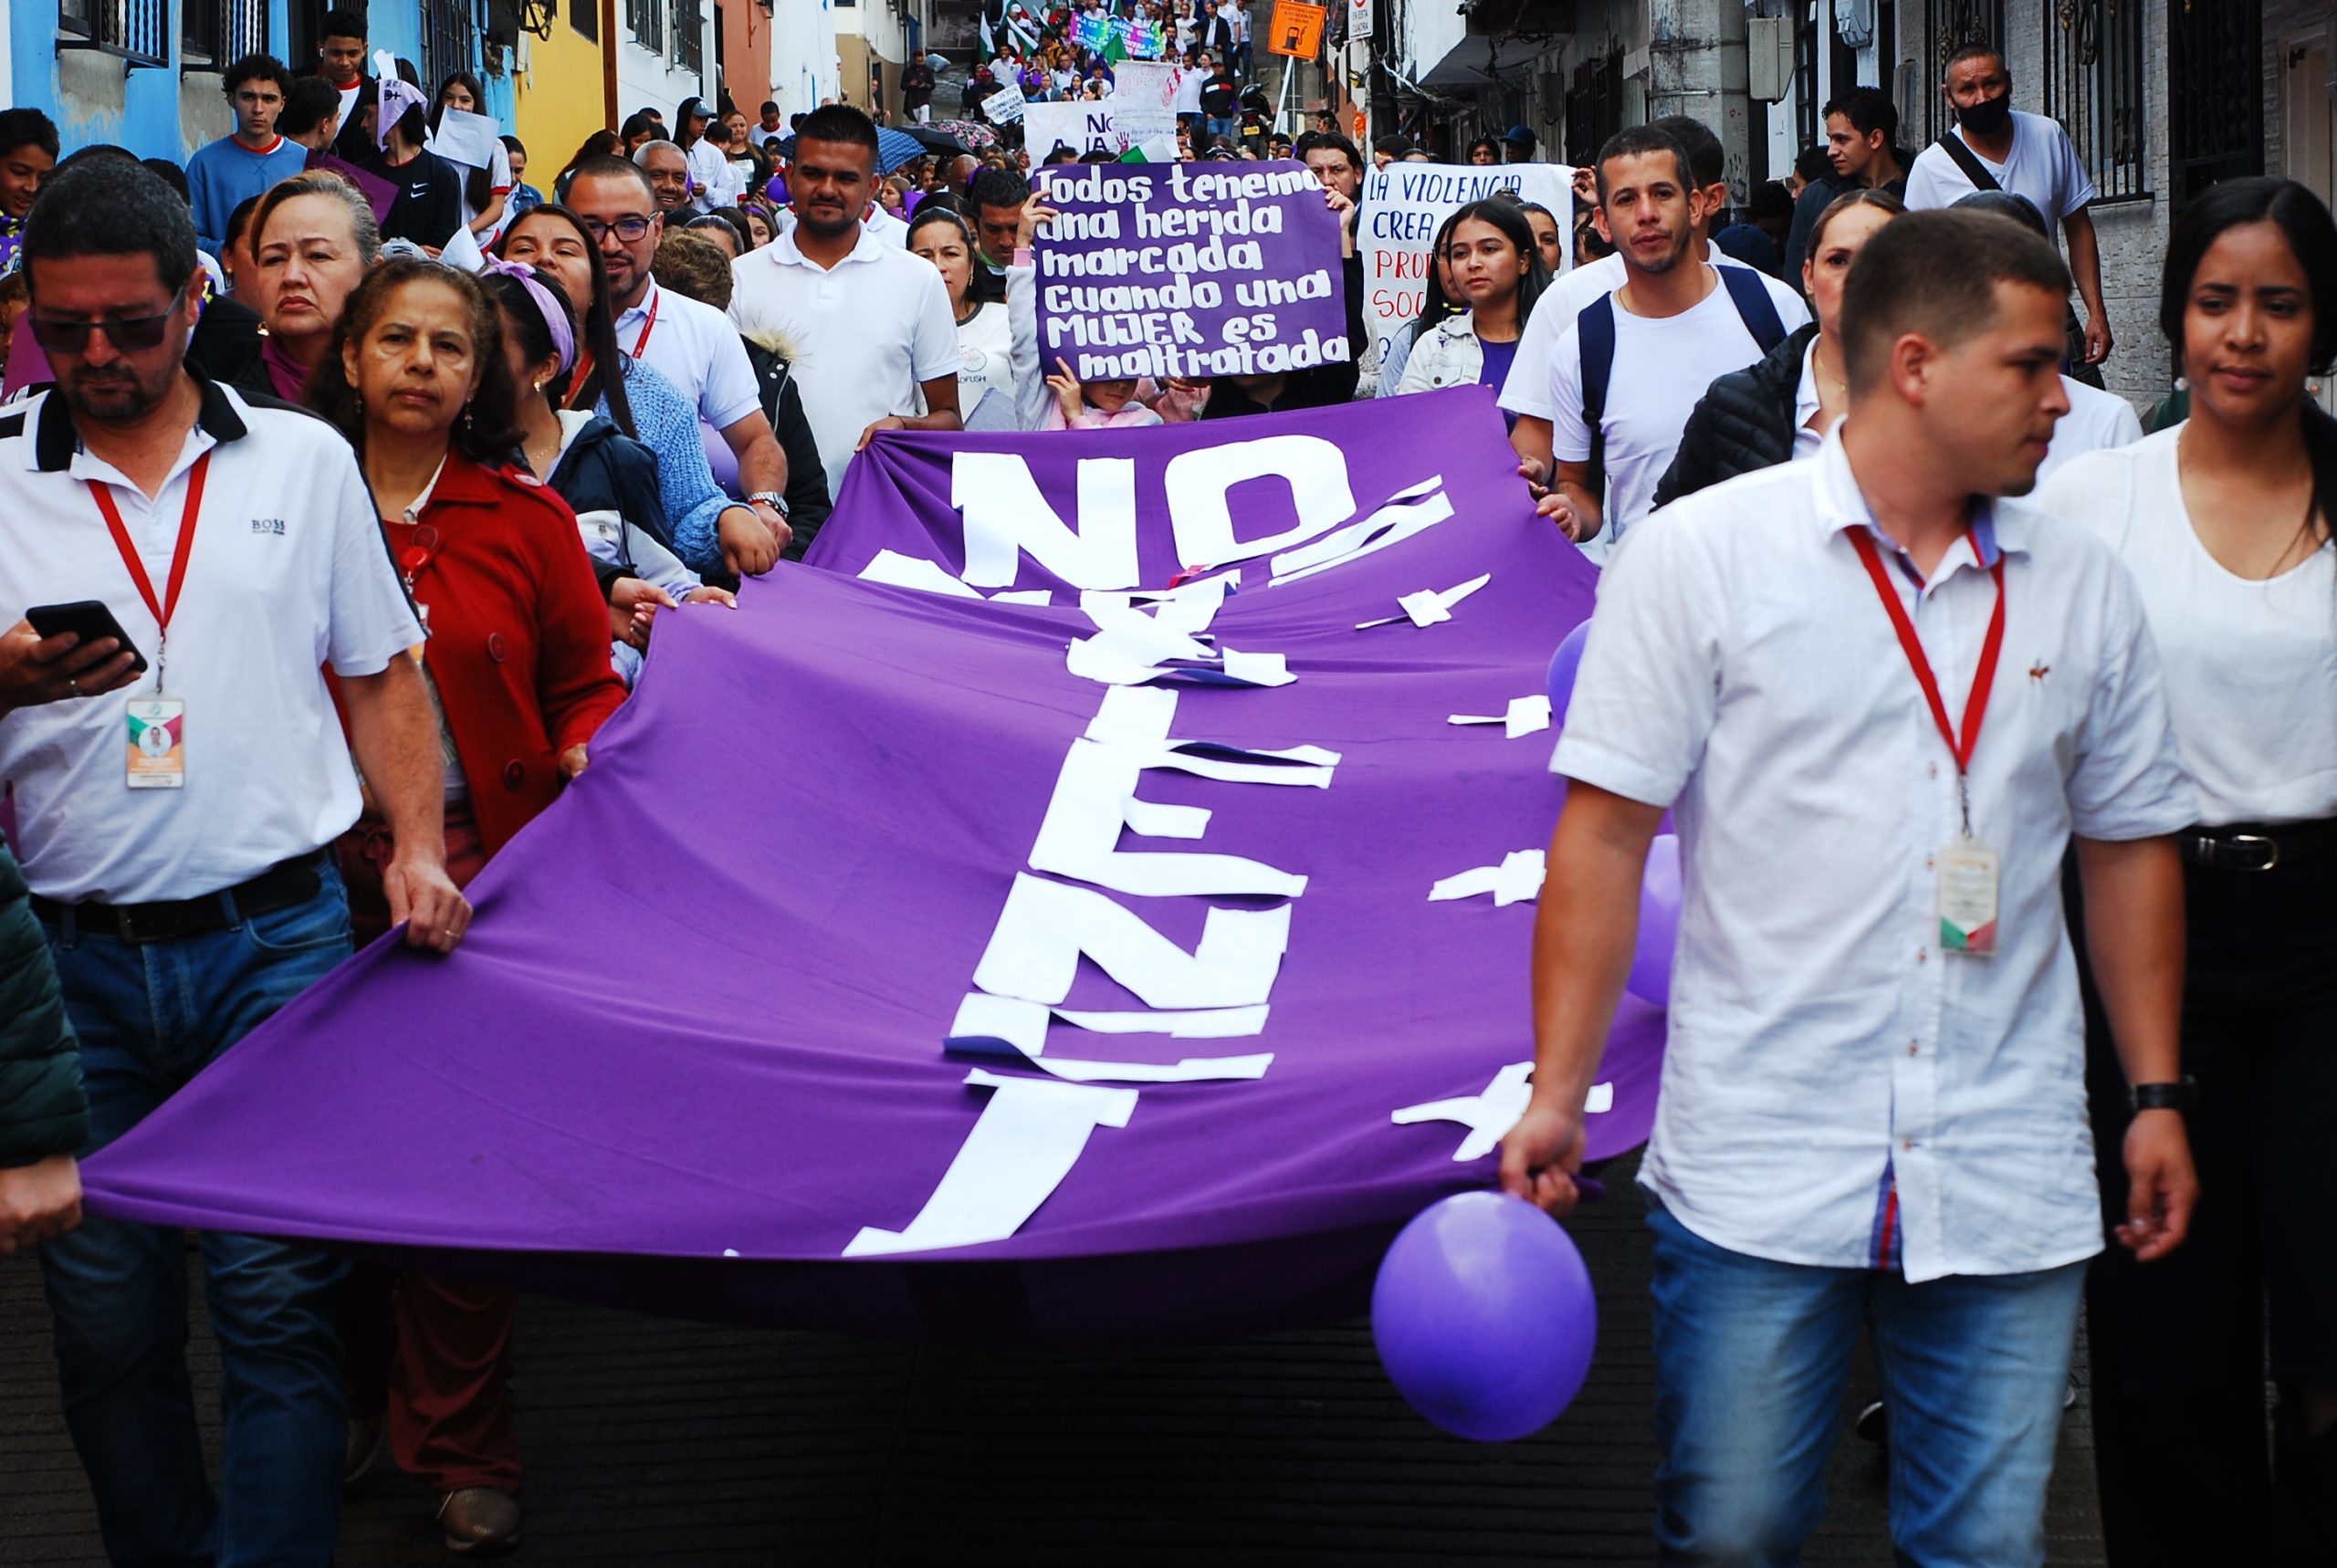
[
  {"x": 580, "y": 377},
  {"x": 1976, "y": 706},
  {"x": 1984, "y": 677},
  {"x": 165, "y": 607},
  {"x": 647, "y": 327}
]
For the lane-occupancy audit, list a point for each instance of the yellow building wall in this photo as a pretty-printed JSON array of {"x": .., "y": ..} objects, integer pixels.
[{"x": 560, "y": 100}]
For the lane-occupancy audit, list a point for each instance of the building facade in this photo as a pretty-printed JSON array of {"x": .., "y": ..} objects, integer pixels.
[{"x": 2255, "y": 80}]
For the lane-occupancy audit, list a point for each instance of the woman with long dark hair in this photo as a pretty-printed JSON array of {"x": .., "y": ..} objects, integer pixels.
[
  {"x": 486, "y": 191},
  {"x": 1489, "y": 251},
  {"x": 639, "y": 401},
  {"x": 2224, "y": 521},
  {"x": 517, "y": 660}
]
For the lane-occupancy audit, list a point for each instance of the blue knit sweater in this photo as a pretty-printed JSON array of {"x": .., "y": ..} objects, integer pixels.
[{"x": 666, "y": 422}]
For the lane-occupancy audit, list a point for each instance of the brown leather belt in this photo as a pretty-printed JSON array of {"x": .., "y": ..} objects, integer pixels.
[{"x": 280, "y": 886}]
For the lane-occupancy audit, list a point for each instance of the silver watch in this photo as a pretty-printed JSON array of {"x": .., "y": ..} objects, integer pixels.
[{"x": 771, "y": 499}]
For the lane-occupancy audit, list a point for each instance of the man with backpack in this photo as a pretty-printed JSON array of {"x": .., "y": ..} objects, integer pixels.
[{"x": 1628, "y": 368}]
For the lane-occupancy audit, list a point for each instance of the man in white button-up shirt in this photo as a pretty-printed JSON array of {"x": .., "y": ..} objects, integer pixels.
[{"x": 1864, "y": 1119}]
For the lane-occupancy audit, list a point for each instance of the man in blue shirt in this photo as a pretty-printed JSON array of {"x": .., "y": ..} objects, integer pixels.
[{"x": 221, "y": 175}]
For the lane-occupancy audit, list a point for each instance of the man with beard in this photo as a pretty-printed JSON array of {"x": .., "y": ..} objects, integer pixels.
[
  {"x": 1629, "y": 370},
  {"x": 177, "y": 818},
  {"x": 691, "y": 345},
  {"x": 1997, "y": 147},
  {"x": 867, "y": 326}
]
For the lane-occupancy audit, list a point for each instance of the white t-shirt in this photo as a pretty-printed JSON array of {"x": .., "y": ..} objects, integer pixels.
[
  {"x": 288, "y": 573},
  {"x": 1527, "y": 389},
  {"x": 2251, "y": 667},
  {"x": 1806, "y": 404},
  {"x": 2043, "y": 166},
  {"x": 863, "y": 334},
  {"x": 694, "y": 347},
  {"x": 348, "y": 102},
  {"x": 988, "y": 369},
  {"x": 710, "y": 169},
  {"x": 1661, "y": 369},
  {"x": 2098, "y": 420}
]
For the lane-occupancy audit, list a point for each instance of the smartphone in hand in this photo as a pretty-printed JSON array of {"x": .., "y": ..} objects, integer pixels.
[{"x": 91, "y": 620}]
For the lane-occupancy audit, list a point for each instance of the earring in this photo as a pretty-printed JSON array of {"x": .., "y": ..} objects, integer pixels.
[{"x": 540, "y": 386}]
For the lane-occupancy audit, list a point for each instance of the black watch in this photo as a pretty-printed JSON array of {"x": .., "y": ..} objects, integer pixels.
[{"x": 2178, "y": 1096}]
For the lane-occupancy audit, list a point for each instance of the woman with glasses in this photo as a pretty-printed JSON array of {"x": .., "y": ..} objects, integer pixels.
[
  {"x": 642, "y": 403},
  {"x": 518, "y": 662}
]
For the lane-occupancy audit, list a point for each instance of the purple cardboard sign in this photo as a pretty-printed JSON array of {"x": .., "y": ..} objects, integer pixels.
[
  {"x": 1190, "y": 270},
  {"x": 936, "y": 927}
]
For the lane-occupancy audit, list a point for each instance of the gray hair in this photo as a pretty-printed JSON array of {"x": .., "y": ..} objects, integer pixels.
[
  {"x": 362, "y": 228},
  {"x": 641, "y": 153}
]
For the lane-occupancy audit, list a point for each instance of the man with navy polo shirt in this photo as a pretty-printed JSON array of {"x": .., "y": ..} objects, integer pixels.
[{"x": 175, "y": 823}]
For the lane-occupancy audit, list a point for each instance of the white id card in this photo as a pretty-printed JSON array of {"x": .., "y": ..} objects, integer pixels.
[
  {"x": 157, "y": 743},
  {"x": 1967, "y": 898}
]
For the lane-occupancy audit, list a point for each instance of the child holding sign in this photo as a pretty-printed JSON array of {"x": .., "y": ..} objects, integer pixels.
[{"x": 1094, "y": 405}]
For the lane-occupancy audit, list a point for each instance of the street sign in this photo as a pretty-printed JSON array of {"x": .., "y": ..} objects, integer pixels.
[
  {"x": 1358, "y": 19},
  {"x": 1297, "y": 30}
]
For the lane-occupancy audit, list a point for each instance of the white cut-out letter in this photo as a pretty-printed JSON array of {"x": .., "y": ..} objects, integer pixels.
[
  {"x": 1006, "y": 517},
  {"x": 1046, "y": 926},
  {"x": 1198, "y": 483}
]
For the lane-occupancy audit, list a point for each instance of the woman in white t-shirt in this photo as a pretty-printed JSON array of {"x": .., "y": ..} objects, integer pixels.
[
  {"x": 985, "y": 337},
  {"x": 486, "y": 191},
  {"x": 2224, "y": 522}
]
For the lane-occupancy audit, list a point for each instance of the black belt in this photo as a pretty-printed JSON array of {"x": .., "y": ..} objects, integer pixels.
[
  {"x": 280, "y": 886},
  {"x": 2249, "y": 846}
]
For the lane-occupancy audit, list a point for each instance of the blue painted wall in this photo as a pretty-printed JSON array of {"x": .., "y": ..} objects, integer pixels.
[{"x": 156, "y": 113}]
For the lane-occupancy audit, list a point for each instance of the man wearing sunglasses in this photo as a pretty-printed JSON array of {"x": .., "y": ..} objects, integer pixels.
[
  {"x": 692, "y": 345},
  {"x": 177, "y": 807}
]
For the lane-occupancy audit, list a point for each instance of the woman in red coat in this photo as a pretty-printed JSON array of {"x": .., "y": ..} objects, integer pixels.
[{"x": 518, "y": 658}]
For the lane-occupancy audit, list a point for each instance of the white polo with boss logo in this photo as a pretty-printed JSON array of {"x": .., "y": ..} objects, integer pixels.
[{"x": 288, "y": 572}]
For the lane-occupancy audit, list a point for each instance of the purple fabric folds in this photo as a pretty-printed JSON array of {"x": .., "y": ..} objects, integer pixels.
[{"x": 694, "y": 1044}]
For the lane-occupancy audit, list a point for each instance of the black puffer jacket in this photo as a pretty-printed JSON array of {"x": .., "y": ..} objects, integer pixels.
[
  {"x": 1743, "y": 422},
  {"x": 41, "y": 1109}
]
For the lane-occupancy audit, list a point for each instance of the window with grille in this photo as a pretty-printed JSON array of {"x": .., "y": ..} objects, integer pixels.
[
  {"x": 450, "y": 31},
  {"x": 137, "y": 31},
  {"x": 647, "y": 20},
  {"x": 584, "y": 16},
  {"x": 690, "y": 37},
  {"x": 2093, "y": 86},
  {"x": 216, "y": 33}
]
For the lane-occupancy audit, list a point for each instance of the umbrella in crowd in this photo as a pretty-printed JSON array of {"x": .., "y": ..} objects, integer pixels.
[
  {"x": 933, "y": 139},
  {"x": 894, "y": 148},
  {"x": 977, "y": 138}
]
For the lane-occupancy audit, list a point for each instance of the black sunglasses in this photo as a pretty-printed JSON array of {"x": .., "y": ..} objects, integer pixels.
[
  {"x": 628, "y": 229},
  {"x": 128, "y": 334}
]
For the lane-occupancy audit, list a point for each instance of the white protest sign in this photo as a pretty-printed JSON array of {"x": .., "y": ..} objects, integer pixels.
[
  {"x": 467, "y": 139},
  {"x": 1005, "y": 106},
  {"x": 1404, "y": 203},
  {"x": 1144, "y": 109},
  {"x": 1080, "y": 126}
]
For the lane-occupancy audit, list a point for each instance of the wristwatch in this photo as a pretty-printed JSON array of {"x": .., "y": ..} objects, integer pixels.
[
  {"x": 771, "y": 499},
  {"x": 2178, "y": 1096}
]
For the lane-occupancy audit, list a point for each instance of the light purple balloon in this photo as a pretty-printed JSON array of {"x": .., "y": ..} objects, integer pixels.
[
  {"x": 1485, "y": 1317},
  {"x": 1563, "y": 664},
  {"x": 1659, "y": 923}
]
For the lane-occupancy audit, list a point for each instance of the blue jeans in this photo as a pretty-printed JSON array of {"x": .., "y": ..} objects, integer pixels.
[
  {"x": 1751, "y": 1358},
  {"x": 1217, "y": 127},
  {"x": 151, "y": 1016}
]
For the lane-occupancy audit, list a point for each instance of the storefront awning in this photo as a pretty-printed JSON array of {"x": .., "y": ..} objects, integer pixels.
[{"x": 1475, "y": 63}]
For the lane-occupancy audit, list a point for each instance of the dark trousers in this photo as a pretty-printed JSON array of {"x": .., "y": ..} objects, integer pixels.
[
  {"x": 2179, "y": 1346},
  {"x": 432, "y": 1354}
]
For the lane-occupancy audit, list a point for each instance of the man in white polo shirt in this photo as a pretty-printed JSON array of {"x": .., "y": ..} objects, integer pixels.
[
  {"x": 871, "y": 334},
  {"x": 176, "y": 820},
  {"x": 1628, "y": 370},
  {"x": 1881, "y": 705},
  {"x": 690, "y": 345}
]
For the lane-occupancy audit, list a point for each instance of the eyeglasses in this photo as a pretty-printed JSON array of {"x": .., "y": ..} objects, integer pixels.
[
  {"x": 628, "y": 229},
  {"x": 128, "y": 334}
]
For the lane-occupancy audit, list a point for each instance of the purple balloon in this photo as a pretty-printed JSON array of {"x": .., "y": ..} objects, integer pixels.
[
  {"x": 1485, "y": 1317},
  {"x": 1659, "y": 923},
  {"x": 1563, "y": 664}
]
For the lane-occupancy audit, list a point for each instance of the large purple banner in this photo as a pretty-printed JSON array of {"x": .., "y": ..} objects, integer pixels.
[
  {"x": 981, "y": 936},
  {"x": 1188, "y": 269}
]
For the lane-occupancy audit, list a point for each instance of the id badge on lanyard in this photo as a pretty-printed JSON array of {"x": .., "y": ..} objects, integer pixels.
[
  {"x": 1970, "y": 870},
  {"x": 155, "y": 721}
]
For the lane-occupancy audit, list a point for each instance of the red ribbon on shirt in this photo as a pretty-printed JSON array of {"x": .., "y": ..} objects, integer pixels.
[
  {"x": 164, "y": 607},
  {"x": 1975, "y": 705}
]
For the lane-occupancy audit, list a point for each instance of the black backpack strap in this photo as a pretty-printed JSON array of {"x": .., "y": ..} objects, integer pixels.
[
  {"x": 1595, "y": 335},
  {"x": 1968, "y": 160},
  {"x": 1752, "y": 303}
]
